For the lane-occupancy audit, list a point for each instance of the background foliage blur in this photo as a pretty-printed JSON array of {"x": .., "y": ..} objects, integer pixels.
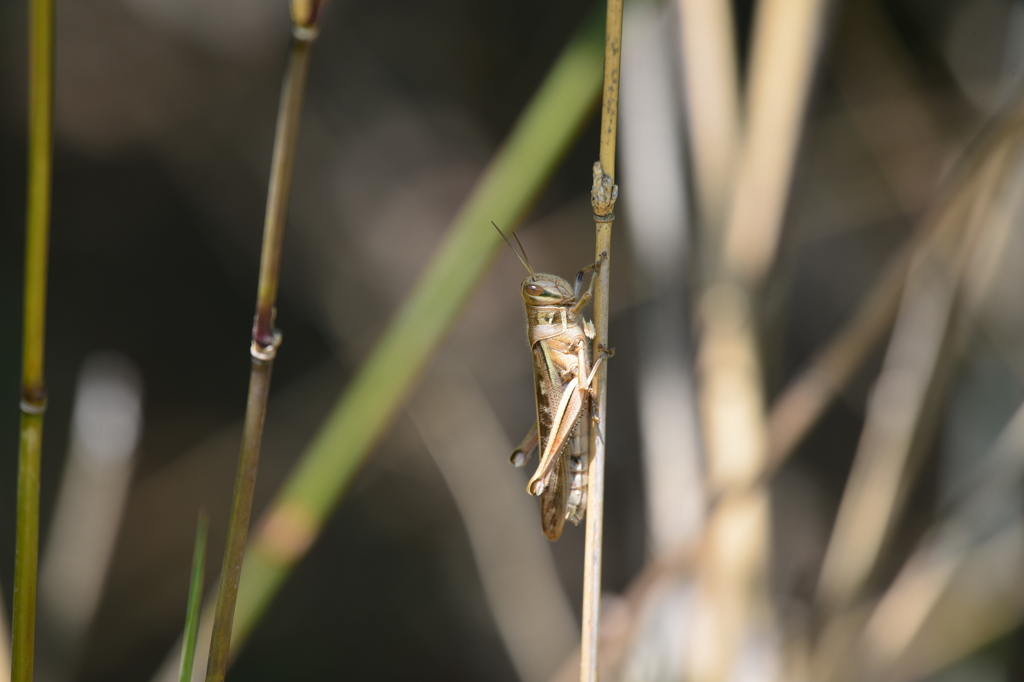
[{"x": 164, "y": 118}]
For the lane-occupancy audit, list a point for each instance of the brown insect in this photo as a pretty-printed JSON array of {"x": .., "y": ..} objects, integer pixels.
[{"x": 560, "y": 341}]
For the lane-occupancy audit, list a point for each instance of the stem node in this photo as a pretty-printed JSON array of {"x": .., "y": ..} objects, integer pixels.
[{"x": 266, "y": 352}]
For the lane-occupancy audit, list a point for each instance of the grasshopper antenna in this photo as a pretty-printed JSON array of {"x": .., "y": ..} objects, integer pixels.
[{"x": 522, "y": 258}]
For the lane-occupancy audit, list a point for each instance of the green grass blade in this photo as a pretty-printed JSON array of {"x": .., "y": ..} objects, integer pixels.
[
  {"x": 195, "y": 599},
  {"x": 33, "y": 386},
  {"x": 505, "y": 191}
]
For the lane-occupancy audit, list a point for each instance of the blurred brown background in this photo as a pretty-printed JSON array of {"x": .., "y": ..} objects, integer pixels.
[{"x": 165, "y": 115}]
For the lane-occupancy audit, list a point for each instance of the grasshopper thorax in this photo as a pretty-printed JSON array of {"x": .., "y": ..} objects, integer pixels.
[{"x": 544, "y": 290}]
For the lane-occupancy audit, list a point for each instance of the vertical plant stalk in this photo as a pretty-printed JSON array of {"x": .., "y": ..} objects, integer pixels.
[
  {"x": 195, "y": 599},
  {"x": 924, "y": 339},
  {"x": 33, "y": 386},
  {"x": 5, "y": 647},
  {"x": 708, "y": 51},
  {"x": 265, "y": 338},
  {"x": 733, "y": 604},
  {"x": 603, "y": 196}
]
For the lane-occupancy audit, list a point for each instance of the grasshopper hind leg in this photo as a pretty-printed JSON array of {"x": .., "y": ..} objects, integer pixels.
[{"x": 521, "y": 455}]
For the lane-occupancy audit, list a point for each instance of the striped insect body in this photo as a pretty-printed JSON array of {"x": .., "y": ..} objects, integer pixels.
[{"x": 560, "y": 341}]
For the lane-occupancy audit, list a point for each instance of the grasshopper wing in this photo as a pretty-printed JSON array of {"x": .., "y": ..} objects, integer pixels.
[{"x": 554, "y": 500}]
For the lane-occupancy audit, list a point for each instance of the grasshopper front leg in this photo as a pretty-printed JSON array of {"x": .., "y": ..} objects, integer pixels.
[
  {"x": 603, "y": 354},
  {"x": 581, "y": 301}
]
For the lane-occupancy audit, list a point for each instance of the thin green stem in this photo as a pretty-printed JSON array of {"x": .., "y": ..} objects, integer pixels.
[
  {"x": 280, "y": 184},
  {"x": 238, "y": 526},
  {"x": 26, "y": 554},
  {"x": 507, "y": 188},
  {"x": 603, "y": 197},
  {"x": 265, "y": 339},
  {"x": 195, "y": 599},
  {"x": 40, "y": 172},
  {"x": 33, "y": 388}
]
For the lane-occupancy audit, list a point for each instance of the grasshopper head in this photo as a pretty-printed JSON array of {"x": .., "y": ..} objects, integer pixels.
[{"x": 541, "y": 289}]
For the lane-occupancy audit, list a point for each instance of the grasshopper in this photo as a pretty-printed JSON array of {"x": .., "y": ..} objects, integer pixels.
[{"x": 560, "y": 341}]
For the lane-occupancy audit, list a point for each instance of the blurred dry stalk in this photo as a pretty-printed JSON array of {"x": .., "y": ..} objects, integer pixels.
[
  {"x": 901, "y": 613},
  {"x": 659, "y": 230},
  {"x": 106, "y": 427},
  {"x": 532, "y": 612},
  {"x": 733, "y": 606},
  {"x": 944, "y": 287},
  {"x": 708, "y": 60},
  {"x": 910, "y": 384}
]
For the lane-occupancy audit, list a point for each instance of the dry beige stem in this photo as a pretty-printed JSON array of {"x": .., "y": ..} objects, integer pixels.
[
  {"x": 787, "y": 35},
  {"x": 732, "y": 607},
  {"x": 708, "y": 55},
  {"x": 918, "y": 347}
]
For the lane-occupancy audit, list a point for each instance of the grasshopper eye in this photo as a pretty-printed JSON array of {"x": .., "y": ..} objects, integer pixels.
[{"x": 534, "y": 289}]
